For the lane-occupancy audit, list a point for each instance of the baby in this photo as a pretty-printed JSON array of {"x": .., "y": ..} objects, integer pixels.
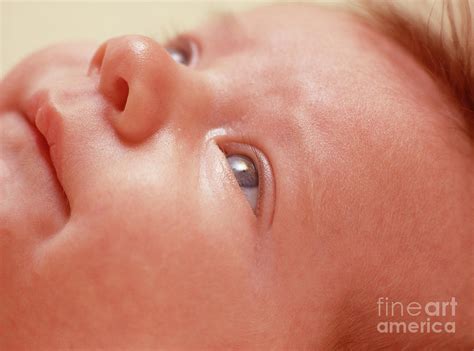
[{"x": 291, "y": 178}]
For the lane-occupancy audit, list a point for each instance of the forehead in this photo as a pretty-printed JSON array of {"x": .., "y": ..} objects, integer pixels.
[
  {"x": 305, "y": 40},
  {"x": 287, "y": 55},
  {"x": 283, "y": 29},
  {"x": 306, "y": 48}
]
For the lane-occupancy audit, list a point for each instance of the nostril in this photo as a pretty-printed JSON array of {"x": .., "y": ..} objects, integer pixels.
[{"x": 120, "y": 94}]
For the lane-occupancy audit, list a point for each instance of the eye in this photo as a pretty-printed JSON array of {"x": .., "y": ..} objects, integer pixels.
[
  {"x": 246, "y": 174},
  {"x": 253, "y": 174},
  {"x": 182, "y": 51}
]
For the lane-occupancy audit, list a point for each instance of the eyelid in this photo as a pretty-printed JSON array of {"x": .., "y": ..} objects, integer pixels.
[{"x": 266, "y": 199}]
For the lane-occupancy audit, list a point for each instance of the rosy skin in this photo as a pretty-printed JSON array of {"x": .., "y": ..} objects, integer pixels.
[{"x": 368, "y": 191}]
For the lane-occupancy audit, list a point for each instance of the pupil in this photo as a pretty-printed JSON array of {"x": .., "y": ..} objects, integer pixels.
[
  {"x": 178, "y": 56},
  {"x": 244, "y": 170}
]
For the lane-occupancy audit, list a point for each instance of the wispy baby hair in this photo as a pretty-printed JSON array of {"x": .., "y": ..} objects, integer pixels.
[{"x": 438, "y": 33}]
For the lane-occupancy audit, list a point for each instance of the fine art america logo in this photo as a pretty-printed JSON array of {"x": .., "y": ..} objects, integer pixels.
[{"x": 416, "y": 317}]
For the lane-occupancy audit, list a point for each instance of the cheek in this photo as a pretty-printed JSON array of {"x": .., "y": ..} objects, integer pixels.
[
  {"x": 172, "y": 244},
  {"x": 173, "y": 207}
]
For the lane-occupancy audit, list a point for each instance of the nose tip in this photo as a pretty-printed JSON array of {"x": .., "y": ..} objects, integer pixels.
[{"x": 138, "y": 77}]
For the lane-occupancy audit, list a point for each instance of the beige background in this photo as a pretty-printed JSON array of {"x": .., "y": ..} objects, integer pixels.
[{"x": 28, "y": 25}]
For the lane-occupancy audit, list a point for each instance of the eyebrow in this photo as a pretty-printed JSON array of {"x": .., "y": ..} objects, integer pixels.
[{"x": 441, "y": 43}]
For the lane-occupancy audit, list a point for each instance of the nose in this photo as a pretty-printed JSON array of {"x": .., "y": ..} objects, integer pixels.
[{"x": 139, "y": 78}]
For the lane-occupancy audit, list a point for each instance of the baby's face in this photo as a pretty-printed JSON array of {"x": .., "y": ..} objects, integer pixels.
[{"x": 126, "y": 219}]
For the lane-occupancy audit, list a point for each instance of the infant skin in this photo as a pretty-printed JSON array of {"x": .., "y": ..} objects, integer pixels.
[{"x": 124, "y": 226}]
